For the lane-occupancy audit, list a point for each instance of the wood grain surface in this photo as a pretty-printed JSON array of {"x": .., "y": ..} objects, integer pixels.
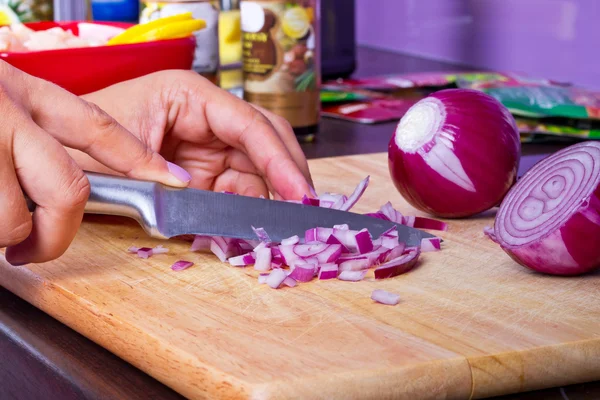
[{"x": 471, "y": 323}]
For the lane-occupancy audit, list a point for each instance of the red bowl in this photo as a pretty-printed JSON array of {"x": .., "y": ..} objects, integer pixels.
[{"x": 84, "y": 70}]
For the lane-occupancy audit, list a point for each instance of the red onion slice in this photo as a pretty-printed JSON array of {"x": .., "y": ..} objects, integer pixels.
[
  {"x": 397, "y": 266},
  {"x": 428, "y": 223},
  {"x": 181, "y": 265},
  {"x": 383, "y": 297},
  {"x": 550, "y": 220},
  {"x": 358, "y": 264},
  {"x": 352, "y": 276},
  {"x": 395, "y": 252},
  {"x": 356, "y": 195}
]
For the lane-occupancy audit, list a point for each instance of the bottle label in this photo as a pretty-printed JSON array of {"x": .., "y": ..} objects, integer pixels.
[
  {"x": 280, "y": 62},
  {"x": 206, "y": 57}
]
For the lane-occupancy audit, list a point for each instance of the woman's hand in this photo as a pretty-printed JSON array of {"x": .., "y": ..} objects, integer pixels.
[
  {"x": 37, "y": 120},
  {"x": 225, "y": 143}
]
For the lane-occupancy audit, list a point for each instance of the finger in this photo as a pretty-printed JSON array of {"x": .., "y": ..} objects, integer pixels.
[
  {"x": 84, "y": 126},
  {"x": 243, "y": 127},
  {"x": 241, "y": 183},
  {"x": 238, "y": 160},
  {"x": 288, "y": 137},
  {"x": 15, "y": 220},
  {"x": 59, "y": 188}
]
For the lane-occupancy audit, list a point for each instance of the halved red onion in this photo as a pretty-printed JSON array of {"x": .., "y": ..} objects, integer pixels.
[
  {"x": 383, "y": 297},
  {"x": 276, "y": 278},
  {"x": 397, "y": 266},
  {"x": 328, "y": 271},
  {"x": 430, "y": 244},
  {"x": 455, "y": 153},
  {"x": 181, "y": 265},
  {"x": 352, "y": 276},
  {"x": 263, "y": 260},
  {"x": 550, "y": 220}
]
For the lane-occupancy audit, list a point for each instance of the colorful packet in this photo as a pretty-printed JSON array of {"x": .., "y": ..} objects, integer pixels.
[{"x": 370, "y": 112}]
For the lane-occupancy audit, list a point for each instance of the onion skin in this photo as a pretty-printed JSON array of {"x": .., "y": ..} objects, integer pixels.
[
  {"x": 571, "y": 248},
  {"x": 468, "y": 166}
]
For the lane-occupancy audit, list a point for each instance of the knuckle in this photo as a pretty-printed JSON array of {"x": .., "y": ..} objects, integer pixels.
[
  {"x": 76, "y": 190},
  {"x": 99, "y": 118}
]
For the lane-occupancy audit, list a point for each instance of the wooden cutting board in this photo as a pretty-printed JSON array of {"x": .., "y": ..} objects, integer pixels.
[{"x": 471, "y": 323}]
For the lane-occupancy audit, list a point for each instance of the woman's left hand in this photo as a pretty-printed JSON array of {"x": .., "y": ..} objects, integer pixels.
[{"x": 226, "y": 144}]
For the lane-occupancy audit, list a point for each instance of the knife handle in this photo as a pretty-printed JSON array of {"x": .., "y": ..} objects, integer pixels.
[{"x": 120, "y": 196}]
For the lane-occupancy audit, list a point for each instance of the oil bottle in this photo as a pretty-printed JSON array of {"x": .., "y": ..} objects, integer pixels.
[{"x": 281, "y": 60}]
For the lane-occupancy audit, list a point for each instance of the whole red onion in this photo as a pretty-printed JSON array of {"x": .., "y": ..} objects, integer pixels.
[{"x": 455, "y": 153}]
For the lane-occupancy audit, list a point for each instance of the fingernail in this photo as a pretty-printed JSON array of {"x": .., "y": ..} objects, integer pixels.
[
  {"x": 178, "y": 172},
  {"x": 313, "y": 191}
]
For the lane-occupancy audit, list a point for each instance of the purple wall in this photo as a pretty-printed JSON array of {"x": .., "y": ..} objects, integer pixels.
[{"x": 555, "y": 39}]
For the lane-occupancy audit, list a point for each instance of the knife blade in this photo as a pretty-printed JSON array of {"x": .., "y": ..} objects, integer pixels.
[{"x": 166, "y": 212}]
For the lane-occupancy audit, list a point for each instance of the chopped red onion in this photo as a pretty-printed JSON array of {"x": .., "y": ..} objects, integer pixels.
[
  {"x": 243, "y": 260},
  {"x": 263, "y": 260},
  {"x": 352, "y": 276},
  {"x": 550, "y": 220},
  {"x": 262, "y": 278},
  {"x": 317, "y": 235},
  {"x": 328, "y": 271},
  {"x": 334, "y": 240},
  {"x": 303, "y": 273},
  {"x": 159, "y": 250},
  {"x": 310, "y": 202},
  {"x": 364, "y": 243},
  {"x": 383, "y": 297},
  {"x": 290, "y": 241},
  {"x": 144, "y": 252},
  {"x": 396, "y": 252},
  {"x": 289, "y": 281},
  {"x": 181, "y": 265},
  {"x": 397, "y": 266},
  {"x": 358, "y": 264},
  {"x": 133, "y": 249},
  {"x": 342, "y": 227},
  {"x": 201, "y": 243},
  {"x": 430, "y": 244},
  {"x": 428, "y": 223},
  {"x": 262, "y": 234},
  {"x": 276, "y": 278}
]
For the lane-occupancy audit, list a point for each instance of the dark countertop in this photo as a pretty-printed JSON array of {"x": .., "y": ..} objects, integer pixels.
[{"x": 40, "y": 358}]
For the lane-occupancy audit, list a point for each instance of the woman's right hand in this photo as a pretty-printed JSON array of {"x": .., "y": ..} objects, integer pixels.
[{"x": 37, "y": 120}]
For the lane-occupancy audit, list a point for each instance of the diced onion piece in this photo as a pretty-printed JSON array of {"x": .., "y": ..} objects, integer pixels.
[
  {"x": 133, "y": 249},
  {"x": 144, "y": 252},
  {"x": 290, "y": 241},
  {"x": 262, "y": 234},
  {"x": 243, "y": 260},
  {"x": 201, "y": 243},
  {"x": 428, "y": 223},
  {"x": 303, "y": 273},
  {"x": 352, "y": 276},
  {"x": 397, "y": 266},
  {"x": 276, "y": 278},
  {"x": 550, "y": 220},
  {"x": 358, "y": 264},
  {"x": 430, "y": 244},
  {"x": 159, "y": 250},
  {"x": 364, "y": 243},
  {"x": 289, "y": 281},
  {"x": 328, "y": 271},
  {"x": 223, "y": 248},
  {"x": 383, "y": 297},
  {"x": 396, "y": 252},
  {"x": 263, "y": 260},
  {"x": 342, "y": 227},
  {"x": 317, "y": 235},
  {"x": 181, "y": 265},
  {"x": 334, "y": 240}
]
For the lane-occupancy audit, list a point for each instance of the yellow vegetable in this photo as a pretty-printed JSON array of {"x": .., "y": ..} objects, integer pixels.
[
  {"x": 140, "y": 29},
  {"x": 173, "y": 30}
]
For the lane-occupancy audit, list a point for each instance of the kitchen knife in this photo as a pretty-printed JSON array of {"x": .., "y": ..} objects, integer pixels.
[{"x": 165, "y": 212}]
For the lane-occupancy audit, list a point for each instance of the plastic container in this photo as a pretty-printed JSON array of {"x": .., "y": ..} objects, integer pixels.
[{"x": 85, "y": 70}]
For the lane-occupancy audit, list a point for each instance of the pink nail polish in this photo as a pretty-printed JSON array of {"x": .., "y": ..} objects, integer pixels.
[{"x": 179, "y": 172}]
